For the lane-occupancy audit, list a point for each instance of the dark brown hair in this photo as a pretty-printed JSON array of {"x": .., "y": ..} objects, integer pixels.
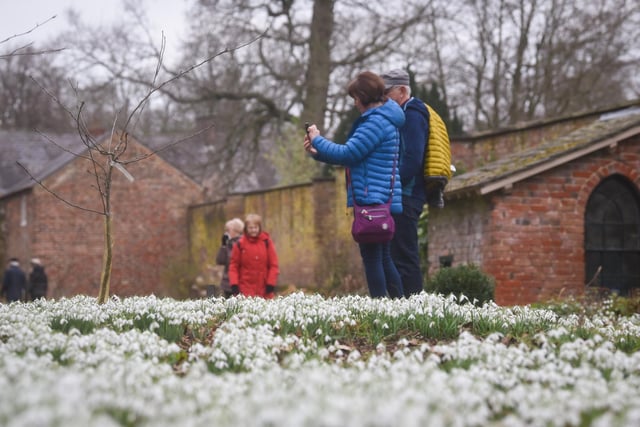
[{"x": 368, "y": 87}]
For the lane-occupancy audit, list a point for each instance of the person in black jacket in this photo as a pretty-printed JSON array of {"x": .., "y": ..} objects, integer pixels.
[
  {"x": 38, "y": 282},
  {"x": 14, "y": 282},
  {"x": 233, "y": 230},
  {"x": 405, "y": 250}
]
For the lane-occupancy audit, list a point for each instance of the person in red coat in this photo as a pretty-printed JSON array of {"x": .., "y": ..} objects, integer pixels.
[{"x": 253, "y": 270}]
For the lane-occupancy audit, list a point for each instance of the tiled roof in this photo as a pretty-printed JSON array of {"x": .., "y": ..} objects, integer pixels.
[
  {"x": 607, "y": 131},
  {"x": 44, "y": 154},
  {"x": 41, "y": 155}
]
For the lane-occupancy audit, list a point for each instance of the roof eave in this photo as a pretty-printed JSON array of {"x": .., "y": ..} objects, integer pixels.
[{"x": 508, "y": 181}]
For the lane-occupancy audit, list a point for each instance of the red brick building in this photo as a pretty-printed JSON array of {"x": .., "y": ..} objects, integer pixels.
[
  {"x": 149, "y": 217},
  {"x": 546, "y": 209}
]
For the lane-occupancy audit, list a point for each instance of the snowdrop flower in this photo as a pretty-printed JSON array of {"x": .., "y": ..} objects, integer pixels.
[{"x": 239, "y": 351}]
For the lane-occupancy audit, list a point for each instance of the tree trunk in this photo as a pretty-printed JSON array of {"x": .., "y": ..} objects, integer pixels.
[
  {"x": 319, "y": 66},
  {"x": 107, "y": 259}
]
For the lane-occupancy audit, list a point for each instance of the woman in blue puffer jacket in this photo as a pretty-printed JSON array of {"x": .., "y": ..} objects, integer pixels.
[{"x": 369, "y": 154}]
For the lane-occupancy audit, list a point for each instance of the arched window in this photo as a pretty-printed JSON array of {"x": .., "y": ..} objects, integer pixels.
[{"x": 612, "y": 235}]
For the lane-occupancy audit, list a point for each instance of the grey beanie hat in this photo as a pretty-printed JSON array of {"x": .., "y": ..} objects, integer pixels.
[{"x": 395, "y": 77}]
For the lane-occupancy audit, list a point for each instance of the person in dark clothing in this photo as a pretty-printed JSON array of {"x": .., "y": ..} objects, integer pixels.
[
  {"x": 233, "y": 230},
  {"x": 413, "y": 136},
  {"x": 38, "y": 282},
  {"x": 14, "y": 282}
]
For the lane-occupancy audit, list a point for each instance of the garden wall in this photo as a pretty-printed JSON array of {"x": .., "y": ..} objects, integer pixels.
[{"x": 310, "y": 227}]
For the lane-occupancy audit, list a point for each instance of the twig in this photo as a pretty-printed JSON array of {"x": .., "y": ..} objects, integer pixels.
[
  {"x": 167, "y": 146},
  {"x": 68, "y": 203},
  {"x": 28, "y": 31},
  {"x": 18, "y": 51},
  {"x": 188, "y": 70},
  {"x": 595, "y": 276}
]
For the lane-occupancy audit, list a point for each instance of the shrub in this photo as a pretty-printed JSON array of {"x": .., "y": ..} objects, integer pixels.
[{"x": 467, "y": 280}]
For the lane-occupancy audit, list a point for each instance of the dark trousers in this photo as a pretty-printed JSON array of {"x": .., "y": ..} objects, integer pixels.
[
  {"x": 381, "y": 273},
  {"x": 404, "y": 247}
]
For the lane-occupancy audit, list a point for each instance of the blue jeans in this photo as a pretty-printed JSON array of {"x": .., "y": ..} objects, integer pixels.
[
  {"x": 404, "y": 247},
  {"x": 381, "y": 273}
]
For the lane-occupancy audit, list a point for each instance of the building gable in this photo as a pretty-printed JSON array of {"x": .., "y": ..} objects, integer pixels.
[{"x": 66, "y": 231}]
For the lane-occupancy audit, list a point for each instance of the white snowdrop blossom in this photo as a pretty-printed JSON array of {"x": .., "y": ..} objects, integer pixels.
[{"x": 304, "y": 360}]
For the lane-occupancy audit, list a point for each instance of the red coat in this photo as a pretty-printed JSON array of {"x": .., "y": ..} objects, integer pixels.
[{"x": 254, "y": 265}]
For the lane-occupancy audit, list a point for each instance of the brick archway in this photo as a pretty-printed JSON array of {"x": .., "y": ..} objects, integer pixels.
[
  {"x": 609, "y": 200},
  {"x": 605, "y": 171}
]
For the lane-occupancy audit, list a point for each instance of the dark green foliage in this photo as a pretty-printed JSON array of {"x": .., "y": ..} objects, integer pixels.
[
  {"x": 455, "y": 126},
  {"x": 340, "y": 136},
  {"x": 467, "y": 280},
  {"x": 434, "y": 96},
  {"x": 423, "y": 243},
  {"x": 64, "y": 325},
  {"x": 344, "y": 127},
  {"x": 164, "y": 328},
  {"x": 625, "y": 306},
  {"x": 628, "y": 343}
]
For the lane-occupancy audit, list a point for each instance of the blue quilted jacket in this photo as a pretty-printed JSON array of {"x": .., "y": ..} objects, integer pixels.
[{"x": 369, "y": 154}]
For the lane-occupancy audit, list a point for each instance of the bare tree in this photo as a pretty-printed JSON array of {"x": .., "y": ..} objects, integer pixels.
[
  {"x": 23, "y": 105},
  {"x": 307, "y": 52},
  {"x": 21, "y": 101},
  {"x": 496, "y": 61},
  {"x": 541, "y": 58},
  {"x": 113, "y": 154}
]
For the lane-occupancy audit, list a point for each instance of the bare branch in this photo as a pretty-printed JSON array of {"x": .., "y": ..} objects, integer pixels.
[
  {"x": 19, "y": 50},
  {"x": 66, "y": 150},
  {"x": 54, "y": 194},
  {"x": 188, "y": 70},
  {"x": 167, "y": 146},
  {"x": 28, "y": 31}
]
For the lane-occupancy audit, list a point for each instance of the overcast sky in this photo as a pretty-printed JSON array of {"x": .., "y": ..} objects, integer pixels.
[{"x": 18, "y": 16}]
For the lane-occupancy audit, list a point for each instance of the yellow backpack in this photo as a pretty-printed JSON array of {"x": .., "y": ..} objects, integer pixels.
[{"x": 437, "y": 160}]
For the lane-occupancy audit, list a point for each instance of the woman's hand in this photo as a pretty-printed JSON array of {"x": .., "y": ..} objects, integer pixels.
[{"x": 312, "y": 132}]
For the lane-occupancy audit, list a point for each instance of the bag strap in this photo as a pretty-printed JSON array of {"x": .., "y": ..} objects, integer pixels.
[{"x": 393, "y": 175}]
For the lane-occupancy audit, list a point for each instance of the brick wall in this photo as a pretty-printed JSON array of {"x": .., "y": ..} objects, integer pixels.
[
  {"x": 310, "y": 229},
  {"x": 459, "y": 230},
  {"x": 18, "y": 215}
]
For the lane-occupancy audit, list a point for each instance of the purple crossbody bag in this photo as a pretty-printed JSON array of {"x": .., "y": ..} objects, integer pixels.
[{"x": 373, "y": 223}]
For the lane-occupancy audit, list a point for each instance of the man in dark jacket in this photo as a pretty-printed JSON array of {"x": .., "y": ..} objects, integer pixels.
[
  {"x": 14, "y": 282},
  {"x": 233, "y": 230},
  {"x": 38, "y": 282},
  {"x": 413, "y": 136}
]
